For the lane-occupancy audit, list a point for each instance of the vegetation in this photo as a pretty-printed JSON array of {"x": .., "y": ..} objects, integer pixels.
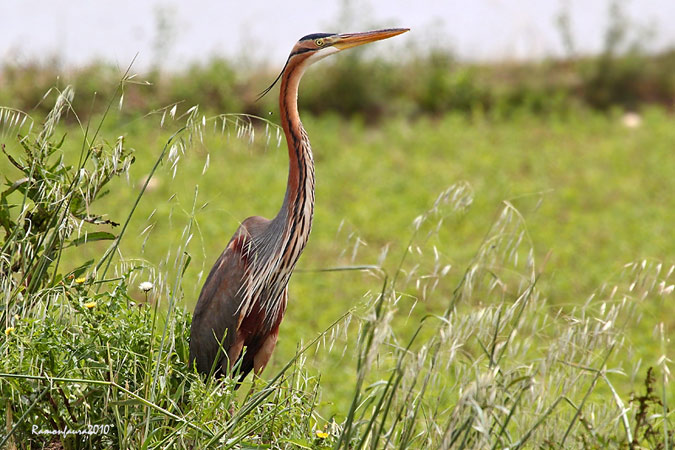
[
  {"x": 470, "y": 322},
  {"x": 372, "y": 88},
  {"x": 490, "y": 267}
]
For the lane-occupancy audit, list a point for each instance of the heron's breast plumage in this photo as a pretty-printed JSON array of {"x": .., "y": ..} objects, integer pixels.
[{"x": 274, "y": 254}]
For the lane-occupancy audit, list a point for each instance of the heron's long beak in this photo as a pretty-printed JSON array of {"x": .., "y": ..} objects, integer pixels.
[{"x": 344, "y": 41}]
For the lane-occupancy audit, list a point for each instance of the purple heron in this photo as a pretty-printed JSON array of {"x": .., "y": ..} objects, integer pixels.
[{"x": 244, "y": 297}]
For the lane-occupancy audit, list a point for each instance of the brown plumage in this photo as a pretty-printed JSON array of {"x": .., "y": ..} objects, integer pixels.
[{"x": 244, "y": 297}]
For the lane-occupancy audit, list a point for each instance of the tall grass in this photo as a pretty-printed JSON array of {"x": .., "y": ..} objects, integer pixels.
[
  {"x": 95, "y": 352},
  {"x": 500, "y": 369}
]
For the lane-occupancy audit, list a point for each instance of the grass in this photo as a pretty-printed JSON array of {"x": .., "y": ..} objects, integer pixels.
[
  {"x": 592, "y": 195},
  {"x": 451, "y": 320}
]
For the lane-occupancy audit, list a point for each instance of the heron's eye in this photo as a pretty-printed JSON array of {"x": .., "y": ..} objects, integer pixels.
[{"x": 319, "y": 42}]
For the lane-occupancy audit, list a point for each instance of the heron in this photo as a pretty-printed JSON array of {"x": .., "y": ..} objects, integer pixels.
[{"x": 237, "y": 316}]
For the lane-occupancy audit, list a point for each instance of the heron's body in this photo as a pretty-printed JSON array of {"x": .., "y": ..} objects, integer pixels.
[{"x": 244, "y": 297}]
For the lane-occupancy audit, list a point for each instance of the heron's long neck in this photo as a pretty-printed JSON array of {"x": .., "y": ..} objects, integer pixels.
[{"x": 298, "y": 207}]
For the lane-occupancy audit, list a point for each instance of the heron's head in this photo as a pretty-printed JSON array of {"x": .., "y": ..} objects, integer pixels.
[{"x": 314, "y": 47}]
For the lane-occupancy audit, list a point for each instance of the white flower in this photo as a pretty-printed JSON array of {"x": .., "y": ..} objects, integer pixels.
[{"x": 145, "y": 286}]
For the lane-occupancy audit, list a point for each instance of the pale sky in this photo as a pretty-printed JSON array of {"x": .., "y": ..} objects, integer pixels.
[{"x": 77, "y": 31}]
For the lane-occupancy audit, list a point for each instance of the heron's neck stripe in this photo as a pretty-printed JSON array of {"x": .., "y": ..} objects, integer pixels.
[{"x": 302, "y": 50}]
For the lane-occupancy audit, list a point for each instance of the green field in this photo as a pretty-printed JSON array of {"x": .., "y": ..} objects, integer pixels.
[{"x": 594, "y": 195}]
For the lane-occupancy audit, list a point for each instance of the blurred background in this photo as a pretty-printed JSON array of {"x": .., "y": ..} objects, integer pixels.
[
  {"x": 489, "y": 54},
  {"x": 173, "y": 34}
]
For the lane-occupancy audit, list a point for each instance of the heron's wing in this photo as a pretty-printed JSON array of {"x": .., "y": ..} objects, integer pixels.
[
  {"x": 260, "y": 345},
  {"x": 216, "y": 315}
]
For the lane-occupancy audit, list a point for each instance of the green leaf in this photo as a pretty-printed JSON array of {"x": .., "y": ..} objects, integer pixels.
[
  {"x": 129, "y": 402},
  {"x": 91, "y": 237},
  {"x": 187, "y": 263},
  {"x": 14, "y": 162},
  {"x": 60, "y": 143},
  {"x": 298, "y": 442},
  {"x": 247, "y": 446},
  {"x": 81, "y": 269},
  {"x": 16, "y": 185},
  {"x": 5, "y": 219}
]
